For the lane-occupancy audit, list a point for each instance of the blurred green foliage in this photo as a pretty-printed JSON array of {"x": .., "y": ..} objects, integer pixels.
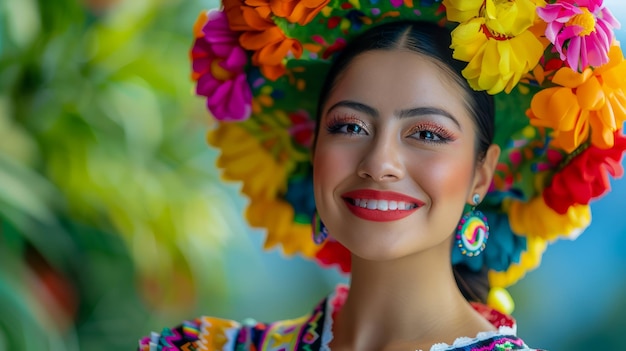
[{"x": 107, "y": 188}]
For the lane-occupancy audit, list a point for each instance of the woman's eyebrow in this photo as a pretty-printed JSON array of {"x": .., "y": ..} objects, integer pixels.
[
  {"x": 421, "y": 111},
  {"x": 355, "y": 106}
]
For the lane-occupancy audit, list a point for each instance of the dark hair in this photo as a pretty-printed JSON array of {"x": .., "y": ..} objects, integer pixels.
[
  {"x": 432, "y": 41},
  {"x": 427, "y": 39}
]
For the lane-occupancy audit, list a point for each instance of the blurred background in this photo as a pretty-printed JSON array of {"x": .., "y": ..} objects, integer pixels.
[{"x": 113, "y": 220}]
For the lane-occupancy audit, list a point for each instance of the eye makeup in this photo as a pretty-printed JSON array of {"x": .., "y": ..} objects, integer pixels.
[
  {"x": 346, "y": 124},
  {"x": 431, "y": 132}
]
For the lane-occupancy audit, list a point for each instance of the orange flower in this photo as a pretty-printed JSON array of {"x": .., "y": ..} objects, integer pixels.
[
  {"x": 262, "y": 35},
  {"x": 297, "y": 11},
  {"x": 593, "y": 101},
  {"x": 270, "y": 47},
  {"x": 244, "y": 17}
]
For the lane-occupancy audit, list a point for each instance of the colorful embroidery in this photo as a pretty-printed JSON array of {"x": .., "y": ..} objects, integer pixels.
[{"x": 307, "y": 333}]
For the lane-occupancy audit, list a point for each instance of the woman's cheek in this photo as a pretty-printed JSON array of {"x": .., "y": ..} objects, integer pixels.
[{"x": 446, "y": 177}]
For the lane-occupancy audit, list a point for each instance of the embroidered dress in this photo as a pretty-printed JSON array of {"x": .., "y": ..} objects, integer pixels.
[{"x": 309, "y": 333}]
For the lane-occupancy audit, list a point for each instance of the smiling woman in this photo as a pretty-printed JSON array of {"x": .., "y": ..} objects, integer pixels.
[{"x": 407, "y": 141}]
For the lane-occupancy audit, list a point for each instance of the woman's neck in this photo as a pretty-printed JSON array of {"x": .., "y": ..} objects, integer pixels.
[{"x": 413, "y": 300}]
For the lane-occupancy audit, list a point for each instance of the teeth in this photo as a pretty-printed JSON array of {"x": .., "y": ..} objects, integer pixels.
[{"x": 383, "y": 205}]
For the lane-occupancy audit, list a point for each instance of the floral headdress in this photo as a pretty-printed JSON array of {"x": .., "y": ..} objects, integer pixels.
[{"x": 554, "y": 67}]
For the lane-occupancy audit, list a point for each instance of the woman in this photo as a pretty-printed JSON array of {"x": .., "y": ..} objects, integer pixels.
[
  {"x": 402, "y": 153},
  {"x": 421, "y": 146}
]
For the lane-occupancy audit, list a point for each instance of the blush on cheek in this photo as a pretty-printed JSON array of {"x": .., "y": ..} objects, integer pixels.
[{"x": 449, "y": 180}]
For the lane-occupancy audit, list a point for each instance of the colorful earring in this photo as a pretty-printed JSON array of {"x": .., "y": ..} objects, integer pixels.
[
  {"x": 320, "y": 233},
  {"x": 473, "y": 231}
]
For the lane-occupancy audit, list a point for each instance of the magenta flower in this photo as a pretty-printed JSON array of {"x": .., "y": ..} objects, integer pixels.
[
  {"x": 218, "y": 64},
  {"x": 580, "y": 30}
]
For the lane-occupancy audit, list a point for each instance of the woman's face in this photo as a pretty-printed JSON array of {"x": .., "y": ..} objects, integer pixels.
[{"x": 395, "y": 158}]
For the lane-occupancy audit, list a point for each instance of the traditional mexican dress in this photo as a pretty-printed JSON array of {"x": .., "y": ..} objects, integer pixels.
[{"x": 311, "y": 332}]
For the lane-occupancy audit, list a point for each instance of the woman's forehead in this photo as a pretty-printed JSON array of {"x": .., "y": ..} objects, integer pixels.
[{"x": 398, "y": 79}]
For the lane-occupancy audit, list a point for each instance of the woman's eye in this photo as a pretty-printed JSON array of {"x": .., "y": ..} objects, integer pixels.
[
  {"x": 353, "y": 129},
  {"x": 347, "y": 128},
  {"x": 428, "y": 135}
]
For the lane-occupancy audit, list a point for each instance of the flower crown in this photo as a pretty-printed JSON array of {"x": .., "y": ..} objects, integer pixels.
[{"x": 554, "y": 68}]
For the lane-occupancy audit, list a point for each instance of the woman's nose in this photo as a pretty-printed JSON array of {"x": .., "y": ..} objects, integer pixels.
[{"x": 382, "y": 161}]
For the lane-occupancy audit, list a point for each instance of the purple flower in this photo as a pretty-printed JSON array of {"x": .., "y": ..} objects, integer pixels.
[{"x": 218, "y": 63}]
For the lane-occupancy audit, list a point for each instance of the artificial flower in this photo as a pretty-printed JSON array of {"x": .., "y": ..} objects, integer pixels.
[
  {"x": 495, "y": 40},
  {"x": 259, "y": 33},
  {"x": 263, "y": 162},
  {"x": 248, "y": 15},
  {"x": 586, "y": 176},
  {"x": 297, "y": 11},
  {"x": 302, "y": 128},
  {"x": 334, "y": 253},
  {"x": 592, "y": 102},
  {"x": 580, "y": 30},
  {"x": 536, "y": 218},
  {"x": 529, "y": 260},
  {"x": 244, "y": 158},
  {"x": 278, "y": 217},
  {"x": 270, "y": 47},
  {"x": 462, "y": 10},
  {"x": 218, "y": 64}
]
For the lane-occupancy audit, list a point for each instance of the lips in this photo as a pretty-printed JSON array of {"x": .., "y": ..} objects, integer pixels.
[{"x": 380, "y": 206}]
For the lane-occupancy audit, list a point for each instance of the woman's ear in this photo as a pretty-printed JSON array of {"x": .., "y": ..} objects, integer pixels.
[{"x": 484, "y": 172}]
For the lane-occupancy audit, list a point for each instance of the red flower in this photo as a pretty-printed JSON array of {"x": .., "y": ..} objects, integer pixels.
[
  {"x": 333, "y": 253},
  {"x": 586, "y": 177},
  {"x": 302, "y": 128}
]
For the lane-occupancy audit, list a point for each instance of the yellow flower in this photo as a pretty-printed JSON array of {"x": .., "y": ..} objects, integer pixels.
[
  {"x": 495, "y": 40},
  {"x": 277, "y": 217},
  {"x": 509, "y": 18},
  {"x": 529, "y": 260},
  {"x": 536, "y": 218},
  {"x": 462, "y": 10},
  {"x": 259, "y": 152},
  {"x": 539, "y": 224},
  {"x": 243, "y": 158}
]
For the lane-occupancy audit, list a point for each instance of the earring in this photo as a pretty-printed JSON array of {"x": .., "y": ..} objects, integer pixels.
[
  {"x": 473, "y": 231},
  {"x": 320, "y": 233}
]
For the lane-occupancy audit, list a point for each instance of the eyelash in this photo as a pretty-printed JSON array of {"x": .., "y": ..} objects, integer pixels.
[
  {"x": 336, "y": 125},
  {"x": 441, "y": 133}
]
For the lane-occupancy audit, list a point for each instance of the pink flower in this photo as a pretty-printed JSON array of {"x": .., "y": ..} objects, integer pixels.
[
  {"x": 218, "y": 64},
  {"x": 580, "y": 30}
]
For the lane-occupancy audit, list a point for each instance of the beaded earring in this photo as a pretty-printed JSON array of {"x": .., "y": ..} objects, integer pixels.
[
  {"x": 320, "y": 233},
  {"x": 473, "y": 231}
]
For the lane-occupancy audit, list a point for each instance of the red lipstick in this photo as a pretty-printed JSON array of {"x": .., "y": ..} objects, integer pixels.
[{"x": 380, "y": 206}]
